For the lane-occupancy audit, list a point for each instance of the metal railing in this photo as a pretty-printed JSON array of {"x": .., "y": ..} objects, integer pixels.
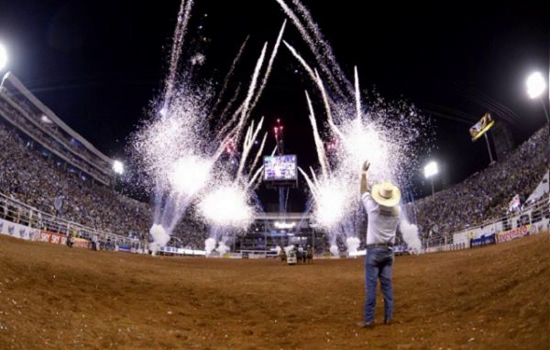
[
  {"x": 23, "y": 214},
  {"x": 534, "y": 213}
]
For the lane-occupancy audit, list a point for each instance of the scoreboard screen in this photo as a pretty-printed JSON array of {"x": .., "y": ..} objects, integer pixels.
[{"x": 280, "y": 168}]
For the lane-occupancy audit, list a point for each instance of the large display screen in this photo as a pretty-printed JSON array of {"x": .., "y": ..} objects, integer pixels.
[{"x": 280, "y": 168}]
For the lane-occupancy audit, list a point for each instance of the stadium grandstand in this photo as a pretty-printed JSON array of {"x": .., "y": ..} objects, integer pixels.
[
  {"x": 47, "y": 166},
  {"x": 485, "y": 195},
  {"x": 51, "y": 135}
]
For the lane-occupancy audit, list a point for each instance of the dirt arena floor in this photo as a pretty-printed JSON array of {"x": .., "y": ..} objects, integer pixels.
[{"x": 53, "y": 297}]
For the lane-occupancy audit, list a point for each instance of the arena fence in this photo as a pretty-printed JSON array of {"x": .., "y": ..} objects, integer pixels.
[
  {"x": 23, "y": 221},
  {"x": 531, "y": 219},
  {"x": 25, "y": 216}
]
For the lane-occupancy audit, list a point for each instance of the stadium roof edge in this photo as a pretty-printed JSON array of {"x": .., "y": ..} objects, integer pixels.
[{"x": 53, "y": 117}]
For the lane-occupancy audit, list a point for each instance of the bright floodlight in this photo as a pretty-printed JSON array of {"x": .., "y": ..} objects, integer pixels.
[
  {"x": 535, "y": 85},
  {"x": 430, "y": 170},
  {"x": 118, "y": 167},
  {"x": 3, "y": 57}
]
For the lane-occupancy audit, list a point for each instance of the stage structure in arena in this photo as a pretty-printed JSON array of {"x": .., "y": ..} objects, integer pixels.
[
  {"x": 271, "y": 232},
  {"x": 180, "y": 147},
  {"x": 386, "y": 134}
]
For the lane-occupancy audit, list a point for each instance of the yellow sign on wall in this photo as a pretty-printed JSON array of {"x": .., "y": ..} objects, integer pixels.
[{"x": 482, "y": 126}]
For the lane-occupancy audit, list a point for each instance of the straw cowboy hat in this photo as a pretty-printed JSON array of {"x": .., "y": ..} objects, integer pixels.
[{"x": 386, "y": 194}]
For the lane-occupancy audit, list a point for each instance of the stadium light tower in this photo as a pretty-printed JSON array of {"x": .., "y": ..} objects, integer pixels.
[
  {"x": 535, "y": 89},
  {"x": 430, "y": 170},
  {"x": 118, "y": 167},
  {"x": 3, "y": 57}
]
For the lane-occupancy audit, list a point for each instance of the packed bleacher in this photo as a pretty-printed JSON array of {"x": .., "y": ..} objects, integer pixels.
[
  {"x": 46, "y": 138},
  {"x": 485, "y": 195},
  {"x": 29, "y": 177}
]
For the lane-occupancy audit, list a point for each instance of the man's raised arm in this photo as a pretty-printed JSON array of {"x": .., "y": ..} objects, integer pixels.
[{"x": 366, "y": 166}]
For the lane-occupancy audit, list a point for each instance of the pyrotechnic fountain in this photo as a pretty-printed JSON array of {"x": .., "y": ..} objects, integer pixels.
[
  {"x": 385, "y": 134},
  {"x": 179, "y": 150},
  {"x": 227, "y": 208}
]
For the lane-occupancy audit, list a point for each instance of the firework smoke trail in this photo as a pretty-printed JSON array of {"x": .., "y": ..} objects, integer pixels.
[
  {"x": 250, "y": 137},
  {"x": 313, "y": 43},
  {"x": 244, "y": 108},
  {"x": 4, "y": 79},
  {"x": 321, "y": 154},
  {"x": 248, "y": 106},
  {"x": 227, "y": 208},
  {"x": 259, "y": 154},
  {"x": 325, "y": 46},
  {"x": 252, "y": 87},
  {"x": 209, "y": 245},
  {"x": 357, "y": 97},
  {"x": 410, "y": 235},
  {"x": 269, "y": 65},
  {"x": 352, "y": 243},
  {"x": 223, "y": 247},
  {"x": 306, "y": 66},
  {"x": 228, "y": 77},
  {"x": 326, "y": 102},
  {"x": 317, "y": 80},
  {"x": 310, "y": 183},
  {"x": 231, "y": 102},
  {"x": 334, "y": 250},
  {"x": 255, "y": 177},
  {"x": 178, "y": 41}
]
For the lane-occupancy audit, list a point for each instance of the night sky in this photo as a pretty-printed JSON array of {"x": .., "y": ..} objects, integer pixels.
[{"x": 99, "y": 64}]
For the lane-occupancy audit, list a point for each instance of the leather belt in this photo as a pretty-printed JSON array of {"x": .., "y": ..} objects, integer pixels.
[{"x": 379, "y": 245}]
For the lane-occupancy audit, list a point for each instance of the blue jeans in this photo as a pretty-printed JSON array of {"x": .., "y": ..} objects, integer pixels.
[{"x": 378, "y": 264}]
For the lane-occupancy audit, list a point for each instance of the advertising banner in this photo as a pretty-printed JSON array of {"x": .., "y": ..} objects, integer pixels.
[
  {"x": 80, "y": 243},
  {"x": 513, "y": 234},
  {"x": 17, "y": 230}
]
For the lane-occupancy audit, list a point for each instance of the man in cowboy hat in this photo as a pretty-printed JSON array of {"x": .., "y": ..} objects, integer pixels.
[{"x": 382, "y": 206}]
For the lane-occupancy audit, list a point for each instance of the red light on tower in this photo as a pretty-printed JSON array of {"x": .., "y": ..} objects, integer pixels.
[{"x": 278, "y": 130}]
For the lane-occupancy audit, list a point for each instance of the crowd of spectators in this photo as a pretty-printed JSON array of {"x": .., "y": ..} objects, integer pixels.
[
  {"x": 30, "y": 177},
  {"x": 485, "y": 195},
  {"x": 47, "y": 135}
]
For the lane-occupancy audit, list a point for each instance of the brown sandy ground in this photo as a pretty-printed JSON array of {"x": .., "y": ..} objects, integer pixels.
[{"x": 53, "y": 297}]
